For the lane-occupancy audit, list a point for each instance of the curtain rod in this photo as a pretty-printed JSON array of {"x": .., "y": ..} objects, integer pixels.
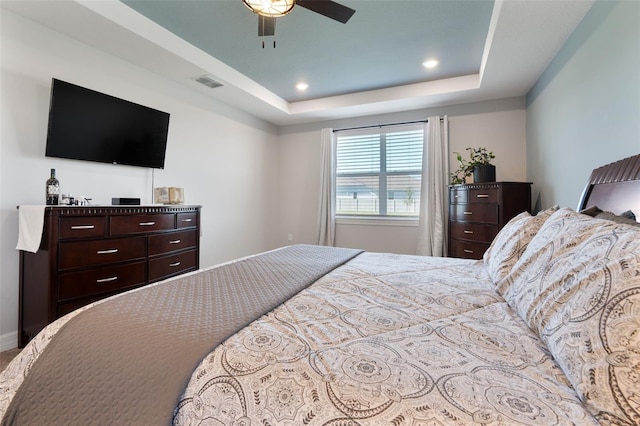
[{"x": 381, "y": 125}]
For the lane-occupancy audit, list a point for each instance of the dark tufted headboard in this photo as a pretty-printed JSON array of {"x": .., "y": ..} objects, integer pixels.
[{"x": 614, "y": 187}]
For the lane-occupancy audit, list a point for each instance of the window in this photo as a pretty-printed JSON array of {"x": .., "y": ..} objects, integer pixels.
[{"x": 378, "y": 171}]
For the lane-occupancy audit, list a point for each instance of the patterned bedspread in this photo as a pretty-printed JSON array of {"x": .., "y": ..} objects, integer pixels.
[
  {"x": 385, "y": 339},
  {"x": 382, "y": 340}
]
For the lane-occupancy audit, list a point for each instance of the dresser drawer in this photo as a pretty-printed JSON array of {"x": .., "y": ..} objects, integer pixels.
[
  {"x": 473, "y": 231},
  {"x": 76, "y": 254},
  {"x": 186, "y": 220},
  {"x": 82, "y": 227},
  {"x": 482, "y": 213},
  {"x": 458, "y": 195},
  {"x": 466, "y": 249},
  {"x": 96, "y": 281},
  {"x": 173, "y": 241},
  {"x": 480, "y": 195},
  {"x": 166, "y": 266},
  {"x": 143, "y": 223}
]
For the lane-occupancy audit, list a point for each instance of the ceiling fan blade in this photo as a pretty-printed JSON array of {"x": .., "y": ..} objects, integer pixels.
[
  {"x": 328, "y": 8},
  {"x": 266, "y": 26}
]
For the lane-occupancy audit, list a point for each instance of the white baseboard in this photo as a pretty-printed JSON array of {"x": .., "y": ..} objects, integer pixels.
[{"x": 8, "y": 341}]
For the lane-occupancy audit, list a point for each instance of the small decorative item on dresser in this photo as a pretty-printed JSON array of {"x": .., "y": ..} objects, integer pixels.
[
  {"x": 53, "y": 189},
  {"x": 479, "y": 165},
  {"x": 176, "y": 195},
  {"x": 484, "y": 173},
  {"x": 161, "y": 195},
  {"x": 168, "y": 195}
]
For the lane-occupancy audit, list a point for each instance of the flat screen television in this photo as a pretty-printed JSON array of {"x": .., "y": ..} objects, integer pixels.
[{"x": 93, "y": 126}]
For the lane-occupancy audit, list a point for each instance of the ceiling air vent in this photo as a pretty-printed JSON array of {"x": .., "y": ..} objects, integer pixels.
[{"x": 208, "y": 81}]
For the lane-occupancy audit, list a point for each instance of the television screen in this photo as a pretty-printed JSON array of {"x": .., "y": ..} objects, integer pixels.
[{"x": 89, "y": 125}]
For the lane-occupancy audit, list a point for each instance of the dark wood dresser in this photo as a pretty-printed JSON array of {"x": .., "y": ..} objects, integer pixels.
[
  {"x": 89, "y": 253},
  {"x": 478, "y": 211}
]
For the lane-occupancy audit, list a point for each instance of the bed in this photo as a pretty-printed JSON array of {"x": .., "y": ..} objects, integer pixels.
[{"x": 544, "y": 330}]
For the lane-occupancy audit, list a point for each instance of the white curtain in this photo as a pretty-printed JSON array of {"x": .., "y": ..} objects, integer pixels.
[
  {"x": 432, "y": 237},
  {"x": 327, "y": 213}
]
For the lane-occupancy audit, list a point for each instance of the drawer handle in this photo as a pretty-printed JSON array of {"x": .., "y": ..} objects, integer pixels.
[
  {"x": 147, "y": 223},
  {"x": 82, "y": 227},
  {"x": 110, "y": 251},
  {"x": 466, "y": 231},
  {"x": 482, "y": 195},
  {"x": 186, "y": 220},
  {"x": 173, "y": 265},
  {"x": 469, "y": 213},
  {"x": 174, "y": 242},
  {"x": 106, "y": 280},
  {"x": 468, "y": 251}
]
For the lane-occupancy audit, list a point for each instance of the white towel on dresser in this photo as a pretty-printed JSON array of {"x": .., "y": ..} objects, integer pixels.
[{"x": 30, "y": 225}]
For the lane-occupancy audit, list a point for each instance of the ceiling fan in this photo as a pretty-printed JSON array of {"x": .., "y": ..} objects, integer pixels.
[{"x": 269, "y": 10}]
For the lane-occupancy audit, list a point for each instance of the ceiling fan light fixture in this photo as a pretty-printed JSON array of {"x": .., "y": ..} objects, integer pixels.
[{"x": 272, "y": 8}]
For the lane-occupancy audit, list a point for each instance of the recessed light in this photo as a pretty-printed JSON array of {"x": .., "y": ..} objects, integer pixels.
[
  {"x": 430, "y": 63},
  {"x": 302, "y": 86}
]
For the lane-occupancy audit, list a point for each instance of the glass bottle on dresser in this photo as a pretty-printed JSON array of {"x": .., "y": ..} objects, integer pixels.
[{"x": 53, "y": 189}]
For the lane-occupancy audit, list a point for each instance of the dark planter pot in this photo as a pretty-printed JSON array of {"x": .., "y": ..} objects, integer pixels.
[{"x": 484, "y": 173}]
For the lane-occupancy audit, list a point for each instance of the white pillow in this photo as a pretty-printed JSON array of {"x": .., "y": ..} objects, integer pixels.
[{"x": 577, "y": 285}]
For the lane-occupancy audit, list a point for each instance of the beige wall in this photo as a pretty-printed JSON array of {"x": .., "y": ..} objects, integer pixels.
[{"x": 498, "y": 125}]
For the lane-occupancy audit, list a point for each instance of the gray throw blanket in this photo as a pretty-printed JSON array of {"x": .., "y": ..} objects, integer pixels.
[{"x": 129, "y": 359}]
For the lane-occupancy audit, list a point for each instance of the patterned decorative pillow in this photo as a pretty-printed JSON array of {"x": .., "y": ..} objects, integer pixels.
[
  {"x": 511, "y": 241},
  {"x": 577, "y": 285}
]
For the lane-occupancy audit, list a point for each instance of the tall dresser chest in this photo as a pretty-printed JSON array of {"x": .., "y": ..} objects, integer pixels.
[{"x": 478, "y": 211}]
